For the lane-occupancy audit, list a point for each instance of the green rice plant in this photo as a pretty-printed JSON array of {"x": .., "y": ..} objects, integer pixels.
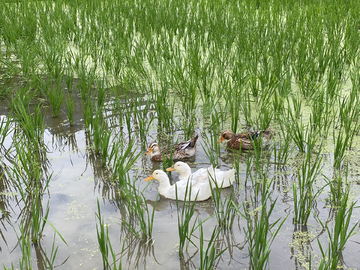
[
  {"x": 258, "y": 229},
  {"x": 136, "y": 201},
  {"x": 25, "y": 245},
  {"x": 212, "y": 148},
  {"x": 54, "y": 92},
  {"x": 284, "y": 148},
  {"x": 27, "y": 53},
  {"x": 303, "y": 193},
  {"x": 209, "y": 255},
  {"x": 6, "y": 128},
  {"x": 164, "y": 107},
  {"x": 224, "y": 209},
  {"x": 101, "y": 136},
  {"x": 88, "y": 109},
  {"x": 340, "y": 234},
  {"x": 144, "y": 120},
  {"x": 336, "y": 186},
  {"x": 299, "y": 132},
  {"x": 185, "y": 216},
  {"x": 31, "y": 123},
  {"x": 103, "y": 238},
  {"x": 70, "y": 108},
  {"x": 349, "y": 127},
  {"x": 245, "y": 106},
  {"x": 121, "y": 159}
]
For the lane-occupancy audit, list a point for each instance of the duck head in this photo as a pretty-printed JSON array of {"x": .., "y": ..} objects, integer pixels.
[
  {"x": 158, "y": 175},
  {"x": 226, "y": 135},
  {"x": 153, "y": 149},
  {"x": 180, "y": 167}
]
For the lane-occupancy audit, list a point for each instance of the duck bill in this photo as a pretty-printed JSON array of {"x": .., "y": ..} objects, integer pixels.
[
  {"x": 170, "y": 169},
  {"x": 150, "y": 149},
  {"x": 221, "y": 139},
  {"x": 149, "y": 178}
]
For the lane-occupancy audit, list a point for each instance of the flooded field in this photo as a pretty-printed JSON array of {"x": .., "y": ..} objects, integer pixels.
[{"x": 86, "y": 86}]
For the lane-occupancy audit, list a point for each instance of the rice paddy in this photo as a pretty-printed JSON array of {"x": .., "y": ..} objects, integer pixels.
[{"x": 85, "y": 86}]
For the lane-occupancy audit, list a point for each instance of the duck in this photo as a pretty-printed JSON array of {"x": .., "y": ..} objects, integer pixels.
[
  {"x": 245, "y": 140},
  {"x": 181, "y": 150},
  {"x": 200, "y": 191},
  {"x": 218, "y": 178}
]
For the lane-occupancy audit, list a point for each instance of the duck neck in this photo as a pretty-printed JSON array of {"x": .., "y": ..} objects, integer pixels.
[
  {"x": 164, "y": 186},
  {"x": 185, "y": 173}
]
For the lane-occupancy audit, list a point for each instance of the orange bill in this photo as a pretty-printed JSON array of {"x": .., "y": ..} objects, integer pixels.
[
  {"x": 170, "y": 169},
  {"x": 221, "y": 139},
  {"x": 149, "y": 178},
  {"x": 150, "y": 149}
]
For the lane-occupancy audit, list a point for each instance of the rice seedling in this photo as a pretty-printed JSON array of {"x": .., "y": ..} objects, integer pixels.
[
  {"x": 185, "y": 215},
  {"x": 209, "y": 255},
  {"x": 70, "y": 108},
  {"x": 284, "y": 148},
  {"x": 139, "y": 208},
  {"x": 144, "y": 120},
  {"x": 340, "y": 234},
  {"x": 122, "y": 157},
  {"x": 6, "y": 128},
  {"x": 103, "y": 238},
  {"x": 258, "y": 230},
  {"x": 101, "y": 136},
  {"x": 224, "y": 209},
  {"x": 54, "y": 92},
  {"x": 303, "y": 193}
]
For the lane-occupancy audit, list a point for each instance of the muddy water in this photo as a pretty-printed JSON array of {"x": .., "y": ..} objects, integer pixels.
[{"x": 79, "y": 181}]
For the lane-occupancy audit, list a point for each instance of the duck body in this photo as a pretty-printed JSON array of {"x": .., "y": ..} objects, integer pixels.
[
  {"x": 217, "y": 177},
  {"x": 180, "y": 151},
  {"x": 200, "y": 191},
  {"x": 245, "y": 140}
]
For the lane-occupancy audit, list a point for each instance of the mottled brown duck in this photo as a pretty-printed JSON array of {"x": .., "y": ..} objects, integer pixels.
[
  {"x": 181, "y": 150},
  {"x": 245, "y": 140}
]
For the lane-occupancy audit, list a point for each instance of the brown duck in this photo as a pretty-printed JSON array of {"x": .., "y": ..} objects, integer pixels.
[
  {"x": 180, "y": 151},
  {"x": 245, "y": 140}
]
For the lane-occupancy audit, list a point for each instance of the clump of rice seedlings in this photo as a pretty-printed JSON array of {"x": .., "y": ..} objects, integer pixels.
[
  {"x": 121, "y": 159},
  {"x": 70, "y": 108},
  {"x": 224, "y": 209},
  {"x": 303, "y": 193},
  {"x": 54, "y": 92},
  {"x": 337, "y": 238},
  {"x": 27, "y": 53},
  {"x": 336, "y": 186},
  {"x": 185, "y": 216},
  {"x": 209, "y": 255},
  {"x": 164, "y": 107},
  {"x": 103, "y": 238},
  {"x": 298, "y": 131},
  {"x": 144, "y": 120},
  {"x": 6, "y": 128},
  {"x": 212, "y": 147},
  {"x": 258, "y": 228},
  {"x": 139, "y": 208},
  {"x": 349, "y": 127},
  {"x": 101, "y": 136},
  {"x": 284, "y": 148},
  {"x": 245, "y": 106}
]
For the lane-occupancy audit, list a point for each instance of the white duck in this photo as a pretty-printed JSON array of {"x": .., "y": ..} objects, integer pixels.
[
  {"x": 223, "y": 178},
  {"x": 200, "y": 189}
]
